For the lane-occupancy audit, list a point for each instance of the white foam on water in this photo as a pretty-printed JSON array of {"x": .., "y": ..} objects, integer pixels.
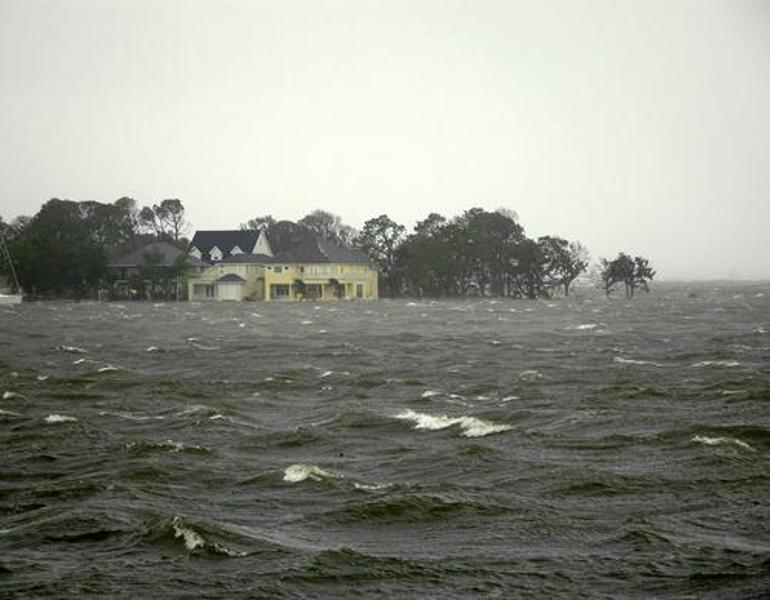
[
  {"x": 9, "y": 413},
  {"x": 430, "y": 394},
  {"x": 152, "y": 349},
  {"x": 732, "y": 392},
  {"x": 192, "y": 539},
  {"x": 130, "y": 416},
  {"x": 202, "y": 347},
  {"x": 11, "y": 395},
  {"x": 42, "y": 377},
  {"x": 633, "y": 361},
  {"x": 306, "y": 322},
  {"x": 509, "y": 398},
  {"x": 369, "y": 487},
  {"x": 325, "y": 374},
  {"x": 52, "y": 419},
  {"x": 474, "y": 427},
  {"x": 79, "y": 361},
  {"x": 299, "y": 472},
  {"x": 471, "y": 426},
  {"x": 717, "y": 363},
  {"x": 179, "y": 447},
  {"x": 722, "y": 441},
  {"x": 108, "y": 368},
  {"x": 530, "y": 375},
  {"x": 71, "y": 349}
]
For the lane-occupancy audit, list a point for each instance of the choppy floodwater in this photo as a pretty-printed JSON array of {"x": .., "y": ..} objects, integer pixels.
[{"x": 580, "y": 448}]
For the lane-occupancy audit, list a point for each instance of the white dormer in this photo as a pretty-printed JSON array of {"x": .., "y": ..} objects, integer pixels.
[
  {"x": 262, "y": 246},
  {"x": 195, "y": 252},
  {"x": 215, "y": 253},
  {"x": 236, "y": 250}
]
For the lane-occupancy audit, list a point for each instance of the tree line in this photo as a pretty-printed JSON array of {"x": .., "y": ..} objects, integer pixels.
[
  {"x": 64, "y": 249},
  {"x": 478, "y": 252}
]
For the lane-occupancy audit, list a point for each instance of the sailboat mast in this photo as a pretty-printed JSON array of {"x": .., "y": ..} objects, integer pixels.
[{"x": 10, "y": 262}]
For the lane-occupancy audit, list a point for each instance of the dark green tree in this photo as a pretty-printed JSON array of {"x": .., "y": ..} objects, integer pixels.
[
  {"x": 631, "y": 272},
  {"x": 259, "y": 223},
  {"x": 57, "y": 254},
  {"x": 380, "y": 239}
]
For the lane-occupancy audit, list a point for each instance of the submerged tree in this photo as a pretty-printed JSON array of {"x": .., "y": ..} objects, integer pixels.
[
  {"x": 380, "y": 239},
  {"x": 631, "y": 272},
  {"x": 564, "y": 261}
]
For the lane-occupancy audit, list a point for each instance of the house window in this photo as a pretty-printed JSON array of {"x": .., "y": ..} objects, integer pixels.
[
  {"x": 359, "y": 290},
  {"x": 207, "y": 291},
  {"x": 236, "y": 250},
  {"x": 302, "y": 269},
  {"x": 277, "y": 269},
  {"x": 279, "y": 290},
  {"x": 215, "y": 253}
]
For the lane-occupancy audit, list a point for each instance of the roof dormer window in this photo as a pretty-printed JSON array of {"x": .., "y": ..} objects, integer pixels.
[
  {"x": 215, "y": 253},
  {"x": 236, "y": 250},
  {"x": 195, "y": 252}
]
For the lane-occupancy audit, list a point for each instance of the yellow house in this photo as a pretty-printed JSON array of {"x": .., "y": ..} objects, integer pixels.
[{"x": 243, "y": 266}]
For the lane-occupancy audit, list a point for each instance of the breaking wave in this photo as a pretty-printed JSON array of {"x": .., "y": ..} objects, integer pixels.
[
  {"x": 722, "y": 441},
  {"x": 470, "y": 426}
]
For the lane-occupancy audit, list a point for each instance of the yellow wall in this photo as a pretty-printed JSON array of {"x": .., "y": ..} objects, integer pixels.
[{"x": 259, "y": 279}]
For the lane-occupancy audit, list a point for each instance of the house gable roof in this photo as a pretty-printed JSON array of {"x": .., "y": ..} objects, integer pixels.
[
  {"x": 225, "y": 240},
  {"x": 289, "y": 242},
  {"x": 231, "y": 278}
]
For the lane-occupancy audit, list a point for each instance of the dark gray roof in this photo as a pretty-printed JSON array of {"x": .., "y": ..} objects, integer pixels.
[
  {"x": 291, "y": 243},
  {"x": 231, "y": 278},
  {"x": 260, "y": 259},
  {"x": 156, "y": 254},
  {"x": 224, "y": 240}
]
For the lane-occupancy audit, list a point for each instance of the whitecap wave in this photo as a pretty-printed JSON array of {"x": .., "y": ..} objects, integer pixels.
[
  {"x": 11, "y": 395},
  {"x": 633, "y": 361},
  {"x": 716, "y": 363},
  {"x": 195, "y": 542},
  {"x": 722, "y": 441},
  {"x": 192, "y": 539},
  {"x": 430, "y": 394},
  {"x": 52, "y": 419},
  {"x": 300, "y": 472},
  {"x": 71, "y": 349},
  {"x": 470, "y": 426},
  {"x": 108, "y": 369},
  {"x": 530, "y": 376}
]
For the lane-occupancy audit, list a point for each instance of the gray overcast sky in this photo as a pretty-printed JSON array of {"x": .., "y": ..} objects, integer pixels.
[{"x": 625, "y": 124}]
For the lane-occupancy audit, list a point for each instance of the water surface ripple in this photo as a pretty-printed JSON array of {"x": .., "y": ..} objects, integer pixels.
[{"x": 567, "y": 448}]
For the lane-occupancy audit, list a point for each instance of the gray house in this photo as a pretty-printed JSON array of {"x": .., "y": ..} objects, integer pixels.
[{"x": 156, "y": 271}]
